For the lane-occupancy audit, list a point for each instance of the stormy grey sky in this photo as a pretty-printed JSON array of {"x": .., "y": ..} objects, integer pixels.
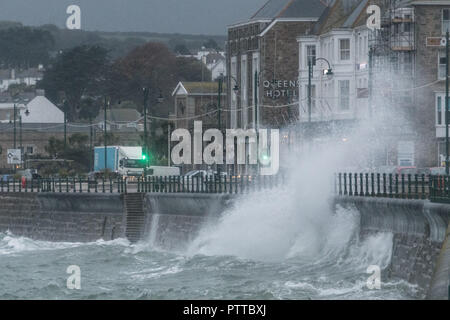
[{"x": 168, "y": 16}]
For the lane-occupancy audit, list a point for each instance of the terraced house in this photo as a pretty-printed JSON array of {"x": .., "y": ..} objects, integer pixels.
[{"x": 265, "y": 45}]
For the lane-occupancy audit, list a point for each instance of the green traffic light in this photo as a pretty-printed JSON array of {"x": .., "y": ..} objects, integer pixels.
[{"x": 144, "y": 157}]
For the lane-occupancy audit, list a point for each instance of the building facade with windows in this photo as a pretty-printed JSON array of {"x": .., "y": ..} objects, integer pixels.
[
  {"x": 409, "y": 71},
  {"x": 432, "y": 22},
  {"x": 404, "y": 89},
  {"x": 336, "y": 101},
  {"x": 262, "y": 53}
]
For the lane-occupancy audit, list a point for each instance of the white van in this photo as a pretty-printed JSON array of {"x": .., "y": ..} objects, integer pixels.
[{"x": 155, "y": 171}]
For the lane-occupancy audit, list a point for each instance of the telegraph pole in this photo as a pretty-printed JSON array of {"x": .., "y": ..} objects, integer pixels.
[
  {"x": 20, "y": 138},
  {"x": 447, "y": 169},
  {"x": 146, "y": 93},
  {"x": 65, "y": 129},
  {"x": 219, "y": 97},
  {"x": 91, "y": 145},
  {"x": 105, "y": 138},
  {"x": 15, "y": 141}
]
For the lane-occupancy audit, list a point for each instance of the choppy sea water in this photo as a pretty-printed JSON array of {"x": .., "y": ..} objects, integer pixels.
[
  {"x": 286, "y": 243},
  {"x": 117, "y": 270}
]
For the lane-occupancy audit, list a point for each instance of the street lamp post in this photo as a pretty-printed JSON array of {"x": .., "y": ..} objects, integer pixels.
[
  {"x": 20, "y": 138},
  {"x": 15, "y": 112},
  {"x": 91, "y": 144},
  {"x": 255, "y": 97},
  {"x": 219, "y": 112},
  {"x": 236, "y": 89},
  {"x": 65, "y": 128},
  {"x": 105, "y": 135},
  {"x": 447, "y": 169},
  {"x": 145, "y": 147},
  {"x": 328, "y": 72}
]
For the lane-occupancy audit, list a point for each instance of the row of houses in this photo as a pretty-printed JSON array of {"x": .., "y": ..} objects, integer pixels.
[
  {"x": 393, "y": 76},
  {"x": 37, "y": 119},
  {"x": 27, "y": 77},
  {"x": 395, "y": 73},
  {"x": 214, "y": 61}
]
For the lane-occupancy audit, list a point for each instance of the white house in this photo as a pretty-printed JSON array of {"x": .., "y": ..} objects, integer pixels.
[
  {"x": 216, "y": 63},
  {"x": 28, "y": 77},
  {"x": 41, "y": 110},
  {"x": 344, "y": 94}
]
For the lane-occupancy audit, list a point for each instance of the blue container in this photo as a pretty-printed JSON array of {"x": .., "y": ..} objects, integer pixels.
[{"x": 112, "y": 159}]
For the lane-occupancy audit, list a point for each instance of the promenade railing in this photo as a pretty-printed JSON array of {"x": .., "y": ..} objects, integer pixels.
[
  {"x": 168, "y": 184},
  {"x": 399, "y": 186}
]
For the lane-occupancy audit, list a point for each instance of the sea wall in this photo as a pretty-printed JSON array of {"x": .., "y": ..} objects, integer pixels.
[
  {"x": 173, "y": 220},
  {"x": 421, "y": 252},
  {"x": 67, "y": 217},
  {"x": 419, "y": 230}
]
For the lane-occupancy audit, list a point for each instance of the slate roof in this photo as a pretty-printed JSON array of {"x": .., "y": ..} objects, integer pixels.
[
  {"x": 342, "y": 14},
  {"x": 202, "y": 88},
  {"x": 119, "y": 115},
  {"x": 291, "y": 9},
  {"x": 214, "y": 58}
]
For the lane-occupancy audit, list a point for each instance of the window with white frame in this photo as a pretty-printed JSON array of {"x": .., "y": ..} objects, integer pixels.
[
  {"x": 311, "y": 54},
  {"x": 344, "y": 49},
  {"x": 442, "y": 65},
  {"x": 445, "y": 20},
  {"x": 344, "y": 94}
]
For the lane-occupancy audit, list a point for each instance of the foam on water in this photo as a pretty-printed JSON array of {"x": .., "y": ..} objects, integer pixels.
[
  {"x": 296, "y": 220},
  {"x": 11, "y": 244}
]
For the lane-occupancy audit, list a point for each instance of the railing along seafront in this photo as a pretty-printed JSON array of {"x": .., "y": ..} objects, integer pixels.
[
  {"x": 401, "y": 186},
  {"x": 152, "y": 184}
]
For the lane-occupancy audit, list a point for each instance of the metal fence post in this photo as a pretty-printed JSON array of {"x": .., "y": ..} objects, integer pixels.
[
  {"x": 378, "y": 185},
  {"x": 350, "y": 187},
  {"x": 423, "y": 187},
  {"x": 345, "y": 184},
  {"x": 340, "y": 184}
]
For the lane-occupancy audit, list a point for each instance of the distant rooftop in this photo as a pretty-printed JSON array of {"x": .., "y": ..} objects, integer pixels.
[
  {"x": 120, "y": 115},
  {"x": 291, "y": 9},
  {"x": 194, "y": 88}
]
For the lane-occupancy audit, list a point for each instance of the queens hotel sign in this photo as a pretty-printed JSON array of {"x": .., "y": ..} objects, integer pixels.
[{"x": 277, "y": 89}]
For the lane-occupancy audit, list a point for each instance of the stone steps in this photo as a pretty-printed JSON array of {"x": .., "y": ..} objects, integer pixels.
[{"x": 134, "y": 206}]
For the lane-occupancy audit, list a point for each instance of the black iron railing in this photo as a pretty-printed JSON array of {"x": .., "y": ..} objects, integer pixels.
[
  {"x": 208, "y": 184},
  {"x": 60, "y": 185},
  {"x": 167, "y": 184},
  {"x": 400, "y": 186}
]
